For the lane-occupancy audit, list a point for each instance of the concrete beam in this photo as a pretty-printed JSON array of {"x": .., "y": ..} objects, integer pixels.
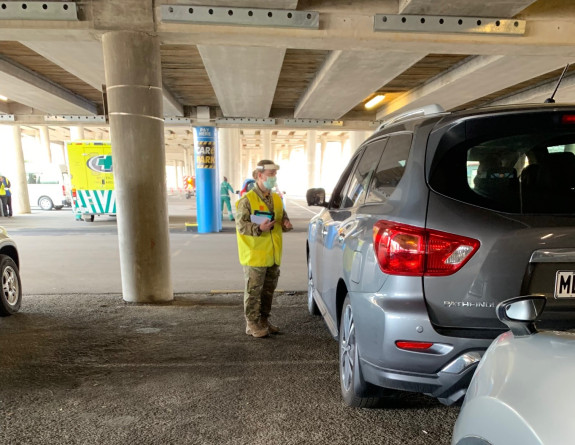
[
  {"x": 171, "y": 106},
  {"x": 565, "y": 93},
  {"x": 244, "y": 78},
  {"x": 549, "y": 33},
  {"x": 270, "y": 4},
  {"x": 347, "y": 78},
  {"x": 479, "y": 77},
  {"x": 29, "y": 88},
  {"x": 86, "y": 61},
  {"x": 470, "y": 8}
]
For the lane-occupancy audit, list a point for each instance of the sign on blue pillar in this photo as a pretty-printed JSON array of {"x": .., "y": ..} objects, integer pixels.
[{"x": 205, "y": 161}]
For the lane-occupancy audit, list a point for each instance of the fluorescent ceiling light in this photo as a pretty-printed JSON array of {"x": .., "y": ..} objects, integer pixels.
[
  {"x": 3, "y": 98},
  {"x": 374, "y": 101}
]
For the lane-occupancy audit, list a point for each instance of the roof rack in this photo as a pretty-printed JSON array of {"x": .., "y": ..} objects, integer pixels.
[{"x": 417, "y": 112}]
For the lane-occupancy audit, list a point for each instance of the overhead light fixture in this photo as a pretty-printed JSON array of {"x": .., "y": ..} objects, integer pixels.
[
  {"x": 3, "y": 98},
  {"x": 374, "y": 101}
]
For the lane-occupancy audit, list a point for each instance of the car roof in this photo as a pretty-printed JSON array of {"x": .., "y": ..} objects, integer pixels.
[{"x": 446, "y": 118}]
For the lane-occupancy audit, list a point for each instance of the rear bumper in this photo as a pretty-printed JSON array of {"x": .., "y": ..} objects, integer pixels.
[
  {"x": 448, "y": 388},
  {"x": 383, "y": 318}
]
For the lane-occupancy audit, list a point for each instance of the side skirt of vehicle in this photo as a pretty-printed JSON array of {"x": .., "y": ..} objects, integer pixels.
[{"x": 329, "y": 321}]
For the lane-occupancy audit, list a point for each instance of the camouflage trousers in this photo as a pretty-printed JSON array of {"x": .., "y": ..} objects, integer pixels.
[{"x": 261, "y": 283}]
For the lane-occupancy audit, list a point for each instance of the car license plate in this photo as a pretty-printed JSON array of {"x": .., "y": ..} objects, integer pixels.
[{"x": 565, "y": 284}]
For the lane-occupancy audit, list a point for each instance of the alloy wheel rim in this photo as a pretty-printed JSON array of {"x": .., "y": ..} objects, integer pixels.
[
  {"x": 10, "y": 285},
  {"x": 347, "y": 362}
]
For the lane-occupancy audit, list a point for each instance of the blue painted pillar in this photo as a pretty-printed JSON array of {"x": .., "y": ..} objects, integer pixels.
[{"x": 205, "y": 160}]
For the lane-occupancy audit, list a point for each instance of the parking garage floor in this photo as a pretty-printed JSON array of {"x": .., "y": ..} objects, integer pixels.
[
  {"x": 88, "y": 368},
  {"x": 91, "y": 369}
]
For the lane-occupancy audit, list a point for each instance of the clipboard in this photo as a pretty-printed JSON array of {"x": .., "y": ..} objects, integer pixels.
[
  {"x": 269, "y": 215},
  {"x": 259, "y": 217}
]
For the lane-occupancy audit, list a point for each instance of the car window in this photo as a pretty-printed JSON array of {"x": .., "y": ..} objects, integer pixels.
[
  {"x": 338, "y": 192},
  {"x": 530, "y": 172},
  {"x": 357, "y": 188},
  {"x": 390, "y": 168}
]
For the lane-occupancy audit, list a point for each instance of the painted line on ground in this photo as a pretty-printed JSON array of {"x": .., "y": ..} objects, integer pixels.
[{"x": 305, "y": 208}]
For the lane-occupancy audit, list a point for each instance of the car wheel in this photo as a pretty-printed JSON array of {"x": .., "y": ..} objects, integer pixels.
[
  {"x": 311, "y": 304},
  {"x": 11, "y": 295},
  {"x": 88, "y": 218},
  {"x": 45, "y": 203},
  {"x": 354, "y": 390}
]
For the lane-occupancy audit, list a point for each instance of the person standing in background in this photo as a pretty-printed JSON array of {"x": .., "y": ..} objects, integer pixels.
[
  {"x": 225, "y": 189},
  {"x": 4, "y": 196},
  {"x": 8, "y": 206}
]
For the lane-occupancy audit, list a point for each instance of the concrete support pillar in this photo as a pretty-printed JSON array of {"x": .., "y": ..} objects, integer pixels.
[
  {"x": 267, "y": 144},
  {"x": 252, "y": 161},
  {"x": 63, "y": 153},
  {"x": 179, "y": 176},
  {"x": 186, "y": 162},
  {"x": 323, "y": 141},
  {"x": 134, "y": 87},
  {"x": 224, "y": 154},
  {"x": 77, "y": 133},
  {"x": 45, "y": 143},
  {"x": 14, "y": 168},
  {"x": 311, "y": 151},
  {"x": 234, "y": 134},
  {"x": 356, "y": 138},
  {"x": 230, "y": 158},
  {"x": 345, "y": 147}
]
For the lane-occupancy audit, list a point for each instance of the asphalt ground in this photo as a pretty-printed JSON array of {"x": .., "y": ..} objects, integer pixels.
[
  {"x": 61, "y": 255},
  {"x": 78, "y": 365},
  {"x": 91, "y": 369}
]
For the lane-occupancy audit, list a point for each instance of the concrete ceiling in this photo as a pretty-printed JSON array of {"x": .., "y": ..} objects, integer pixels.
[{"x": 329, "y": 73}]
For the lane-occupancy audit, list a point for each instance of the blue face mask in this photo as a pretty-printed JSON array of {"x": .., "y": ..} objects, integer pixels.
[{"x": 270, "y": 182}]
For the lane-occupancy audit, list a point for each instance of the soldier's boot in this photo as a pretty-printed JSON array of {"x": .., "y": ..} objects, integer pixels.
[
  {"x": 254, "y": 329},
  {"x": 272, "y": 328}
]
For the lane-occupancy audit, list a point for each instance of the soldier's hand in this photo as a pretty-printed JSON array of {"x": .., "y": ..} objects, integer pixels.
[{"x": 267, "y": 225}]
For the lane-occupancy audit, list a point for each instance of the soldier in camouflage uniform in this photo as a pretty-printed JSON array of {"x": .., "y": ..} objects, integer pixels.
[{"x": 260, "y": 247}]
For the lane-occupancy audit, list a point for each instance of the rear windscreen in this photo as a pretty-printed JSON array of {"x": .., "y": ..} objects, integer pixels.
[{"x": 531, "y": 169}]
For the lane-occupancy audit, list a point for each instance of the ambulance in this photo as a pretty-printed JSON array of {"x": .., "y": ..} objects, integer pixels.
[{"x": 91, "y": 178}]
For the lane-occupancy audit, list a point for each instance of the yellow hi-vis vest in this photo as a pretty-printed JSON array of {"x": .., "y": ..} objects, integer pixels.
[{"x": 264, "y": 250}]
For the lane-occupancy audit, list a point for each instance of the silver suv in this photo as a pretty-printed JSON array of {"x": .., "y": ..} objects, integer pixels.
[{"x": 436, "y": 219}]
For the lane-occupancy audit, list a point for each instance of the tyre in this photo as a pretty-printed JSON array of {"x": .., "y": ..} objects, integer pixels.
[
  {"x": 88, "y": 218},
  {"x": 45, "y": 203},
  {"x": 354, "y": 390},
  {"x": 11, "y": 295},
  {"x": 311, "y": 304}
]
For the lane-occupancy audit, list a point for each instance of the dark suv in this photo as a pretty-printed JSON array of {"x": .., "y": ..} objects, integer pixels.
[{"x": 436, "y": 219}]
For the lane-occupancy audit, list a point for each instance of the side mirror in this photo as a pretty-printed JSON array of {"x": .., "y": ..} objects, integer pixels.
[
  {"x": 316, "y": 197},
  {"x": 520, "y": 313}
]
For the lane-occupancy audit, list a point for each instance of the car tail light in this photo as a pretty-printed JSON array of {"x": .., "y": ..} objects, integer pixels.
[
  {"x": 74, "y": 193},
  {"x": 568, "y": 119},
  {"x": 413, "y": 345},
  {"x": 64, "y": 190},
  {"x": 402, "y": 249}
]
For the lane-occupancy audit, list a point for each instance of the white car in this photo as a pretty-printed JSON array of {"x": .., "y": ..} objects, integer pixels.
[
  {"x": 522, "y": 392},
  {"x": 11, "y": 295}
]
